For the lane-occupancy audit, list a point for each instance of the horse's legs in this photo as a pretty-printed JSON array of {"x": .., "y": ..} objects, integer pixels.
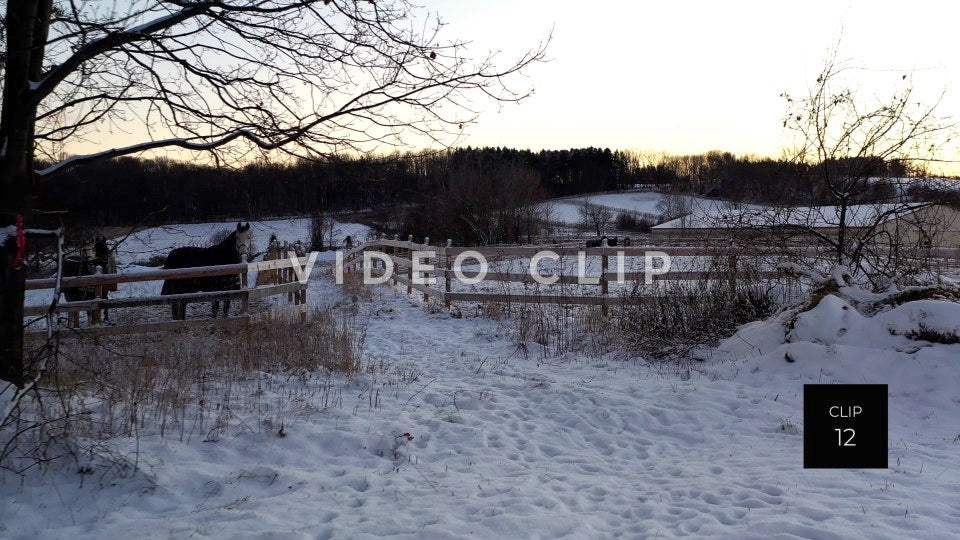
[
  {"x": 216, "y": 308},
  {"x": 226, "y": 308}
]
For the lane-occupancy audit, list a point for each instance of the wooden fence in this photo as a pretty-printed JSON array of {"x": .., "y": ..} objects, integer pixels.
[
  {"x": 401, "y": 252},
  {"x": 283, "y": 281},
  {"x": 732, "y": 268}
]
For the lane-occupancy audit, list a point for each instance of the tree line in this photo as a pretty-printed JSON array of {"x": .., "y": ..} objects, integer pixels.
[{"x": 475, "y": 194}]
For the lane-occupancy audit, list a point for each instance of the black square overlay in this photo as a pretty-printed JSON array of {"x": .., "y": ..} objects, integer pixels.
[{"x": 845, "y": 426}]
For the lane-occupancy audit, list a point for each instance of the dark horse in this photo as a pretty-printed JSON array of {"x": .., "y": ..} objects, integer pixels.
[
  {"x": 598, "y": 242},
  {"x": 230, "y": 251},
  {"x": 83, "y": 264}
]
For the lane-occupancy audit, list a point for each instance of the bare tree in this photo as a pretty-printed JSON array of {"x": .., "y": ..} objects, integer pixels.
[
  {"x": 595, "y": 216},
  {"x": 227, "y": 78},
  {"x": 856, "y": 153},
  {"x": 674, "y": 205}
]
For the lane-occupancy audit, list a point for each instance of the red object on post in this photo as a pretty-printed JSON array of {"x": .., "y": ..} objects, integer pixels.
[{"x": 21, "y": 243}]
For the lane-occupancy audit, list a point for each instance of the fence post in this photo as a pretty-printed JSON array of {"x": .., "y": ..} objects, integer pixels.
[
  {"x": 426, "y": 275},
  {"x": 244, "y": 284},
  {"x": 98, "y": 293},
  {"x": 410, "y": 266},
  {"x": 95, "y": 314},
  {"x": 604, "y": 286},
  {"x": 393, "y": 253},
  {"x": 446, "y": 276},
  {"x": 288, "y": 271}
]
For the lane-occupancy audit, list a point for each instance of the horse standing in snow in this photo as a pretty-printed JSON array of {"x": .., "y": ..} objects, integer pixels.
[
  {"x": 229, "y": 251},
  {"x": 598, "y": 242},
  {"x": 100, "y": 261}
]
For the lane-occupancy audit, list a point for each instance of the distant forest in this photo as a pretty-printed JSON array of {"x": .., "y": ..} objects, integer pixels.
[{"x": 474, "y": 189}]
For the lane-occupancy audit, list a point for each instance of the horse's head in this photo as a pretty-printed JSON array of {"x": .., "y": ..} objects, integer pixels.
[{"x": 243, "y": 238}]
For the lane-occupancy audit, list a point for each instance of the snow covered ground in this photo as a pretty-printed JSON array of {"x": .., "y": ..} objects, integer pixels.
[
  {"x": 567, "y": 209},
  {"x": 464, "y": 435}
]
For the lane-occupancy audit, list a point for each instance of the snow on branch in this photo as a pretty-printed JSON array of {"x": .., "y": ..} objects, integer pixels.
[{"x": 150, "y": 145}]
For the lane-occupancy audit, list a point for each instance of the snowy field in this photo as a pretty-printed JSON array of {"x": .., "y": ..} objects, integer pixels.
[
  {"x": 469, "y": 437},
  {"x": 567, "y": 209}
]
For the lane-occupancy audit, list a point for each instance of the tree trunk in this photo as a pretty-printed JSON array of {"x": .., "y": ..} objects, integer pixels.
[
  {"x": 11, "y": 317},
  {"x": 27, "y": 23}
]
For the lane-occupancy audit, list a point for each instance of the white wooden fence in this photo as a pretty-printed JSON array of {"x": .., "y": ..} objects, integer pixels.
[
  {"x": 731, "y": 270},
  {"x": 401, "y": 253},
  {"x": 284, "y": 282}
]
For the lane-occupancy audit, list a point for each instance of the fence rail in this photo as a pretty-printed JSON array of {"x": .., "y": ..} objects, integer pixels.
[
  {"x": 400, "y": 253},
  {"x": 285, "y": 282}
]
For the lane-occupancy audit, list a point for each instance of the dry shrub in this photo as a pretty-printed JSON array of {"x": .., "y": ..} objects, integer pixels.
[
  {"x": 559, "y": 329},
  {"x": 681, "y": 318},
  {"x": 674, "y": 318},
  {"x": 195, "y": 384},
  {"x": 354, "y": 287},
  {"x": 627, "y": 221}
]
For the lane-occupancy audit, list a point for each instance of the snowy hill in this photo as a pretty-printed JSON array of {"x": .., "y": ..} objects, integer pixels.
[{"x": 567, "y": 209}]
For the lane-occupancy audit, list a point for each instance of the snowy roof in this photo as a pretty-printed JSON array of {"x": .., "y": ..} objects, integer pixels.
[{"x": 903, "y": 184}]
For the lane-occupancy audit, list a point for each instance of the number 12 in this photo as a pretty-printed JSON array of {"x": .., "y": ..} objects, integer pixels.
[{"x": 841, "y": 433}]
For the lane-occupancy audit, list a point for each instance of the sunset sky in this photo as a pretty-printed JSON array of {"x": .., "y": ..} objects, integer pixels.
[
  {"x": 694, "y": 76},
  {"x": 682, "y": 77}
]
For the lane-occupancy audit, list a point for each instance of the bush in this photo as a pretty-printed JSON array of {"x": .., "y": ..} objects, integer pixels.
[
  {"x": 685, "y": 317},
  {"x": 627, "y": 221},
  {"x": 321, "y": 233}
]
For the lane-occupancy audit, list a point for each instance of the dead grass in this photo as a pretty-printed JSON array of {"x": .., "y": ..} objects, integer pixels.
[
  {"x": 197, "y": 384},
  {"x": 933, "y": 335},
  {"x": 354, "y": 288},
  {"x": 681, "y": 319}
]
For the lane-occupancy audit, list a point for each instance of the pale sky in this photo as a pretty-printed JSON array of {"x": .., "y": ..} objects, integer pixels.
[
  {"x": 688, "y": 77},
  {"x": 684, "y": 77}
]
